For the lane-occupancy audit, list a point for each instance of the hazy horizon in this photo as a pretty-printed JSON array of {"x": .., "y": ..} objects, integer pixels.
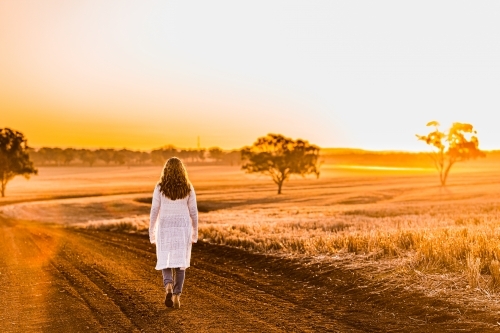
[{"x": 322, "y": 149}]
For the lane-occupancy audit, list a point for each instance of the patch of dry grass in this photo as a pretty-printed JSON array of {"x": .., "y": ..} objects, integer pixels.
[
  {"x": 435, "y": 237},
  {"x": 121, "y": 226}
]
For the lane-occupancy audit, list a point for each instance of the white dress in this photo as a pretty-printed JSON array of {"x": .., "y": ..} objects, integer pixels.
[{"x": 173, "y": 227}]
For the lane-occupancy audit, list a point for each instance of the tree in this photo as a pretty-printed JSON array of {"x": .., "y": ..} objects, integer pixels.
[
  {"x": 58, "y": 155},
  {"x": 35, "y": 156},
  {"x": 200, "y": 154},
  {"x": 105, "y": 155},
  {"x": 87, "y": 156},
  {"x": 216, "y": 154},
  {"x": 161, "y": 155},
  {"x": 47, "y": 155},
  {"x": 69, "y": 155},
  {"x": 458, "y": 144},
  {"x": 233, "y": 157},
  {"x": 280, "y": 157},
  {"x": 123, "y": 156},
  {"x": 14, "y": 157},
  {"x": 143, "y": 157}
]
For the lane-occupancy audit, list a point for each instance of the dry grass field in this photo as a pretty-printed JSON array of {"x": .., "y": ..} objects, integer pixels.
[
  {"x": 395, "y": 226},
  {"x": 436, "y": 239}
]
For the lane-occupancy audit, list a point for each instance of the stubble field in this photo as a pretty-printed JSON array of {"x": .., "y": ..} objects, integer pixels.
[{"x": 396, "y": 228}]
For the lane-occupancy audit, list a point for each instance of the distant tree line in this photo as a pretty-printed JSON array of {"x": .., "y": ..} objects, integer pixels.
[{"x": 47, "y": 156}]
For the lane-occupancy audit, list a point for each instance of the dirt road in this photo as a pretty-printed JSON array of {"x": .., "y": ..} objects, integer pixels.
[{"x": 55, "y": 279}]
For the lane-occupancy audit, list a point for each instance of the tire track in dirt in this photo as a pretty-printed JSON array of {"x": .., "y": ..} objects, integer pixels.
[
  {"x": 344, "y": 295},
  {"x": 82, "y": 287},
  {"x": 318, "y": 303},
  {"x": 210, "y": 276},
  {"x": 221, "y": 303},
  {"x": 120, "y": 305},
  {"x": 32, "y": 298},
  {"x": 98, "y": 281},
  {"x": 221, "y": 277}
]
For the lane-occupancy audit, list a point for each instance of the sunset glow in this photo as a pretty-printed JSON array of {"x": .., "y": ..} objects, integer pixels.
[{"x": 340, "y": 74}]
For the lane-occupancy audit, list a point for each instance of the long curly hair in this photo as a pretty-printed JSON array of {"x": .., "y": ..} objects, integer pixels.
[{"x": 174, "y": 182}]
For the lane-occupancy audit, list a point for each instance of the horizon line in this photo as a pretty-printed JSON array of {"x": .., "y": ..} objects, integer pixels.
[{"x": 360, "y": 150}]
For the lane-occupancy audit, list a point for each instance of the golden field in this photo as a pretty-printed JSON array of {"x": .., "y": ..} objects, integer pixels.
[{"x": 396, "y": 224}]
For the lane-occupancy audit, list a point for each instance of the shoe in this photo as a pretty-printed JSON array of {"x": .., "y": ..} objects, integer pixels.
[
  {"x": 177, "y": 301},
  {"x": 168, "y": 295}
]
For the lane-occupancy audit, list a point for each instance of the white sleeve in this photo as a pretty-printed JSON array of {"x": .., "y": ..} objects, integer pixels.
[
  {"x": 193, "y": 212},
  {"x": 155, "y": 209}
]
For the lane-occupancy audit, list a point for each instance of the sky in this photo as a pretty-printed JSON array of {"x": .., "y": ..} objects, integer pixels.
[{"x": 143, "y": 74}]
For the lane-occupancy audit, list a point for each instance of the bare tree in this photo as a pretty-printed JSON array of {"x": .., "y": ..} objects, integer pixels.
[
  {"x": 280, "y": 157},
  {"x": 14, "y": 157},
  {"x": 458, "y": 144}
]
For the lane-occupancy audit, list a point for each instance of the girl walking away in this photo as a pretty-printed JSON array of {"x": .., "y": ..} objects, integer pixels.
[{"x": 173, "y": 227}]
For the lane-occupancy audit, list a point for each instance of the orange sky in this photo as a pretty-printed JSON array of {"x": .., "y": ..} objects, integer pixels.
[{"x": 340, "y": 74}]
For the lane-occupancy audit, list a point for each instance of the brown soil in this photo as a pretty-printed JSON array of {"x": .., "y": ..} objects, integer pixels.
[{"x": 55, "y": 279}]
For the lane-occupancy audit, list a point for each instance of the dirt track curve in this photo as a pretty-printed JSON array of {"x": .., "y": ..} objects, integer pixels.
[{"x": 55, "y": 279}]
